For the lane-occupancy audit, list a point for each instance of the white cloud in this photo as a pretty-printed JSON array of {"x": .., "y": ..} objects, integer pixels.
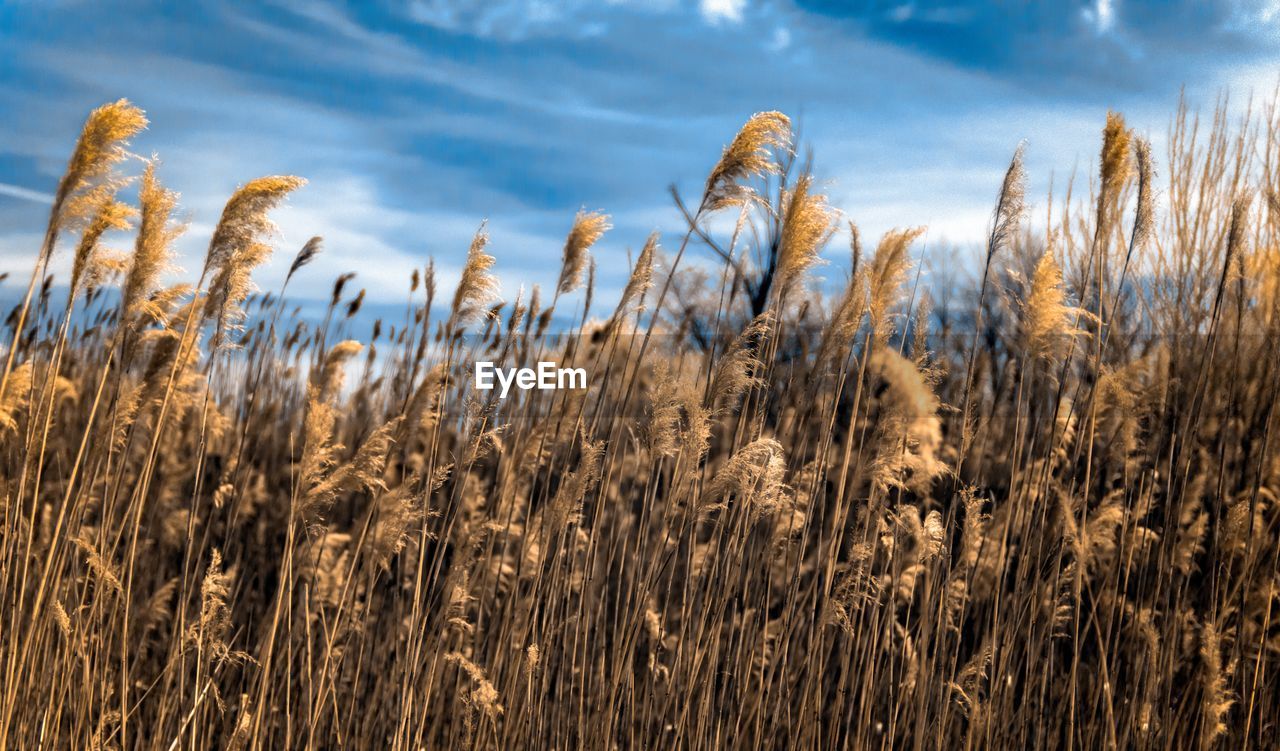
[
  {"x": 718, "y": 11},
  {"x": 780, "y": 41},
  {"x": 509, "y": 19},
  {"x": 522, "y": 19},
  {"x": 25, "y": 194},
  {"x": 1106, "y": 15},
  {"x": 1102, "y": 16},
  {"x": 377, "y": 171},
  {"x": 17, "y": 254},
  {"x": 1259, "y": 82},
  {"x": 391, "y": 56}
]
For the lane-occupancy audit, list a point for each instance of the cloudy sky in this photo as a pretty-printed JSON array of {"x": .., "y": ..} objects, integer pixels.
[{"x": 414, "y": 122}]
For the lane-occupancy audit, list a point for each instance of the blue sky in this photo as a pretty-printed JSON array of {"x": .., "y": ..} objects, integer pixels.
[{"x": 415, "y": 121}]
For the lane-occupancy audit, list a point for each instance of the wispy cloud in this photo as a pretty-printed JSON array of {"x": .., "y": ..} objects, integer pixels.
[
  {"x": 25, "y": 194},
  {"x": 415, "y": 123},
  {"x": 722, "y": 11}
]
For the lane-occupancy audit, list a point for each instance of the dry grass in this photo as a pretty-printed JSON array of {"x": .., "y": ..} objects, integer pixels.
[{"x": 1040, "y": 513}]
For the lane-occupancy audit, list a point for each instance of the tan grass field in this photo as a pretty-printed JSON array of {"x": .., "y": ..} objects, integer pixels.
[{"x": 1038, "y": 510}]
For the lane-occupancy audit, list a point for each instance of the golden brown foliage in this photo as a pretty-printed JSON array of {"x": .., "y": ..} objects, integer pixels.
[{"x": 921, "y": 514}]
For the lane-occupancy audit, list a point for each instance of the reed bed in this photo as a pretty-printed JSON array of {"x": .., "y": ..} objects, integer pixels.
[{"x": 1034, "y": 510}]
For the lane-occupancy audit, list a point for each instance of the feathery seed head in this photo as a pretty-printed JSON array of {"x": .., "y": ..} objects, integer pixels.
[
  {"x": 1144, "y": 219},
  {"x": 1048, "y": 321},
  {"x": 108, "y": 215},
  {"x": 308, "y": 254},
  {"x": 1215, "y": 698},
  {"x": 639, "y": 282},
  {"x": 806, "y": 226},
  {"x": 588, "y": 227},
  {"x": 101, "y": 146},
  {"x": 244, "y": 219},
  {"x": 329, "y": 380},
  {"x": 887, "y": 273},
  {"x": 14, "y": 398},
  {"x": 910, "y": 429},
  {"x": 739, "y": 368},
  {"x": 1114, "y": 165},
  {"x": 1010, "y": 205},
  {"x": 152, "y": 250},
  {"x": 748, "y": 155},
  {"x": 237, "y": 248},
  {"x": 754, "y": 475},
  {"x": 478, "y": 287},
  {"x": 483, "y": 695}
]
